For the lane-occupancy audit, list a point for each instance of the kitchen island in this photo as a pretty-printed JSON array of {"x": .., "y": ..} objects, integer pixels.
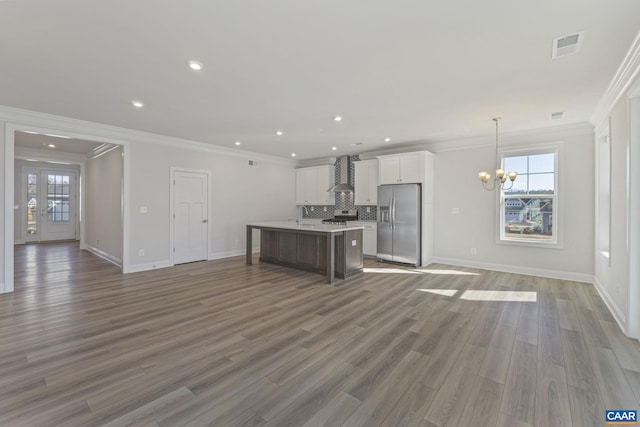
[{"x": 332, "y": 250}]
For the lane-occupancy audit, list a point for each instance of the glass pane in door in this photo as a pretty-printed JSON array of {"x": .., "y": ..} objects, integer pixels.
[
  {"x": 32, "y": 204},
  {"x": 58, "y": 198}
]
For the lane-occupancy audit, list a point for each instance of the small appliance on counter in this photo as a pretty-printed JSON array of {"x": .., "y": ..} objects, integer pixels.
[{"x": 342, "y": 216}]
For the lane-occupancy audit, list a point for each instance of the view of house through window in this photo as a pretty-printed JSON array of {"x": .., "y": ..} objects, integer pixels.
[{"x": 528, "y": 208}]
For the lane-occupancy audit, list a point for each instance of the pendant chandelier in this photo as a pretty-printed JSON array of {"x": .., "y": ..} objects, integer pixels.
[{"x": 500, "y": 179}]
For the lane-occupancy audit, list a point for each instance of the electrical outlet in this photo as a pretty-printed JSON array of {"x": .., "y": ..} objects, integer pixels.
[
  {"x": 325, "y": 208},
  {"x": 312, "y": 209},
  {"x": 474, "y": 251},
  {"x": 143, "y": 209},
  {"x": 455, "y": 211},
  {"x": 140, "y": 252},
  {"x": 368, "y": 209},
  {"x": 354, "y": 243}
]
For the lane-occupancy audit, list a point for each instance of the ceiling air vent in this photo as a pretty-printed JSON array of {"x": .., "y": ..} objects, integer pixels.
[
  {"x": 557, "y": 115},
  {"x": 567, "y": 45}
]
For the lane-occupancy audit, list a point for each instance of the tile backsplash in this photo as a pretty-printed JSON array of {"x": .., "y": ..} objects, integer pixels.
[{"x": 344, "y": 200}]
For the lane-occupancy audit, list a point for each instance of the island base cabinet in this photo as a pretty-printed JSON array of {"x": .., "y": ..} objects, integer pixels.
[
  {"x": 349, "y": 254},
  {"x": 308, "y": 251}
]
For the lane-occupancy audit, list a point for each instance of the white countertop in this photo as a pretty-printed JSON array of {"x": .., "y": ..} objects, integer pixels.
[{"x": 291, "y": 225}]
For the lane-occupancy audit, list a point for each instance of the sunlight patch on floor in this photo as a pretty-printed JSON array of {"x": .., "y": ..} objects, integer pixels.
[
  {"x": 389, "y": 270},
  {"x": 450, "y": 272},
  {"x": 518, "y": 296},
  {"x": 417, "y": 271},
  {"x": 445, "y": 292}
]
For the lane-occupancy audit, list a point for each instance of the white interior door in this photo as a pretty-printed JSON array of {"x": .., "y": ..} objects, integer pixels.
[{"x": 190, "y": 217}]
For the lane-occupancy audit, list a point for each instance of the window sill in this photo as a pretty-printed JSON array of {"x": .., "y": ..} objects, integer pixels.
[{"x": 531, "y": 244}]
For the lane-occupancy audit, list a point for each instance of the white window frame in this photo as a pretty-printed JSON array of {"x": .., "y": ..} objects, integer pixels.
[{"x": 558, "y": 223}]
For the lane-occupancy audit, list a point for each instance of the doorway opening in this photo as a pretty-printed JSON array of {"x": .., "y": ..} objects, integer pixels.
[{"x": 65, "y": 188}]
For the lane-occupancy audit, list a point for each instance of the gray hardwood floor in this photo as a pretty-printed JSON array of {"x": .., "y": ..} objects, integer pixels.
[{"x": 221, "y": 343}]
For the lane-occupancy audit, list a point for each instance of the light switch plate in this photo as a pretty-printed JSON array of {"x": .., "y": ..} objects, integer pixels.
[
  {"x": 354, "y": 243},
  {"x": 143, "y": 209}
]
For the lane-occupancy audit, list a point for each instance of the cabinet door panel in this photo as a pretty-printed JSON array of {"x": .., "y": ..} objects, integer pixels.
[
  {"x": 389, "y": 170},
  {"x": 411, "y": 169},
  {"x": 373, "y": 183}
]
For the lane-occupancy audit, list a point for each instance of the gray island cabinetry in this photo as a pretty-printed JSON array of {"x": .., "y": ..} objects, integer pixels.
[{"x": 332, "y": 250}]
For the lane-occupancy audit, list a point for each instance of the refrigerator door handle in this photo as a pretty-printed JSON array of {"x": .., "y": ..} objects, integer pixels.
[{"x": 393, "y": 213}]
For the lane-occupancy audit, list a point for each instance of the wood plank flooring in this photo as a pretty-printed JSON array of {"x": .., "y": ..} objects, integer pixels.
[{"x": 226, "y": 344}]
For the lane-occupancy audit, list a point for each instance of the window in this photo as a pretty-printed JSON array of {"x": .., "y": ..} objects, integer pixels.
[{"x": 528, "y": 208}]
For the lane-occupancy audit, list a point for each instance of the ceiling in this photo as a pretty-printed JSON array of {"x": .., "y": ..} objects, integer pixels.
[
  {"x": 62, "y": 145},
  {"x": 409, "y": 70}
]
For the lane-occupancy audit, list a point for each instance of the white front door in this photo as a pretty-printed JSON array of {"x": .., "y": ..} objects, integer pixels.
[
  {"x": 190, "y": 197},
  {"x": 51, "y": 200}
]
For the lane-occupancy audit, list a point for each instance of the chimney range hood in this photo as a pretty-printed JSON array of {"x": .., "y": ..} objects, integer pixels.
[{"x": 343, "y": 183}]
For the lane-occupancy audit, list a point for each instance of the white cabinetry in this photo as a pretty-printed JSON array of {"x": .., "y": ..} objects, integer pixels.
[
  {"x": 402, "y": 168},
  {"x": 312, "y": 184},
  {"x": 369, "y": 237},
  {"x": 366, "y": 182}
]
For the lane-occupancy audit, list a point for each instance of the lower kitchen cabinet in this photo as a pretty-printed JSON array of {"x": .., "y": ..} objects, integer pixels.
[{"x": 369, "y": 237}]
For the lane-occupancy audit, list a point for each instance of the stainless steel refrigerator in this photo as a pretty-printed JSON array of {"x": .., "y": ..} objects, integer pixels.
[{"x": 399, "y": 219}]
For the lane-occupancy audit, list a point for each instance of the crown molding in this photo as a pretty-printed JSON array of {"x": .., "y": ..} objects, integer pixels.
[
  {"x": 522, "y": 137},
  {"x": 622, "y": 80},
  {"x": 91, "y": 131}
]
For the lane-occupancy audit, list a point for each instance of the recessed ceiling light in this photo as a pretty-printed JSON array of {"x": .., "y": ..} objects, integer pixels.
[
  {"x": 237, "y": 142},
  {"x": 337, "y": 118},
  {"x": 279, "y": 132},
  {"x": 334, "y": 148},
  {"x": 51, "y": 145},
  {"x": 195, "y": 65},
  {"x": 293, "y": 154},
  {"x": 137, "y": 104},
  {"x": 58, "y": 136},
  {"x": 387, "y": 140}
]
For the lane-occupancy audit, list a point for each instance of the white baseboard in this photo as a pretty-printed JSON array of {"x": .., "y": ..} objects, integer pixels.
[
  {"x": 104, "y": 255},
  {"x": 18, "y": 242},
  {"x": 528, "y": 271},
  {"x": 617, "y": 314},
  {"x": 136, "y": 268}
]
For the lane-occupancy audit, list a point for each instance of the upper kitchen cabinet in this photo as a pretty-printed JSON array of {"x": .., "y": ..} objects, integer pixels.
[
  {"x": 366, "y": 182},
  {"x": 312, "y": 184},
  {"x": 408, "y": 168},
  {"x": 402, "y": 168}
]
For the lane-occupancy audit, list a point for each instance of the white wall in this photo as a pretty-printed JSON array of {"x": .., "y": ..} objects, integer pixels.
[
  {"x": 5, "y": 273},
  {"x": 615, "y": 276},
  {"x": 103, "y": 213},
  {"x": 457, "y": 186},
  {"x": 238, "y": 194}
]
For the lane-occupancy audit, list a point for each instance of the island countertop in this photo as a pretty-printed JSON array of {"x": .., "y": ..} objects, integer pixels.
[
  {"x": 291, "y": 225},
  {"x": 328, "y": 249}
]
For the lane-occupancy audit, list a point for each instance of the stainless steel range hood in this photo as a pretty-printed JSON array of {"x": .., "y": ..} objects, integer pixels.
[{"x": 343, "y": 184}]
